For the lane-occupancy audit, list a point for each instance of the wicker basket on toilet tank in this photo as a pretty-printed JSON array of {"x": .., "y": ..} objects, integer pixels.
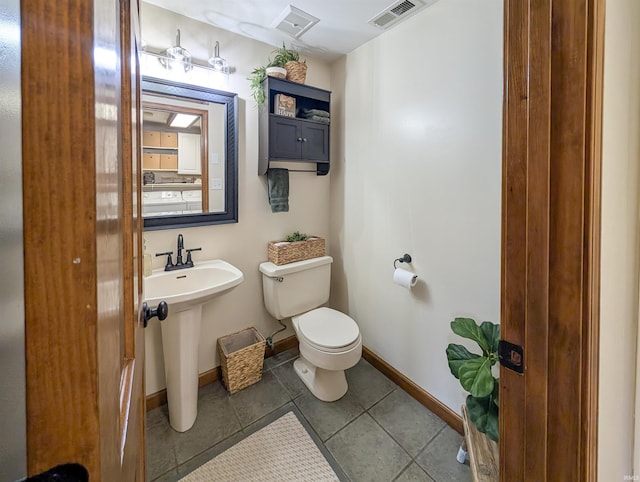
[{"x": 285, "y": 252}]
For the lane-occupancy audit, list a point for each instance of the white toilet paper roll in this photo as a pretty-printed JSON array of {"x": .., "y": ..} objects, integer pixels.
[{"x": 405, "y": 278}]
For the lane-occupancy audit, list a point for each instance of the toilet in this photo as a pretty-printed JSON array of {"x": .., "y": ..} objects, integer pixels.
[{"x": 330, "y": 341}]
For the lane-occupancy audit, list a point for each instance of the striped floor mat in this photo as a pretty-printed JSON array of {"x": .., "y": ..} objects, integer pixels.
[{"x": 281, "y": 451}]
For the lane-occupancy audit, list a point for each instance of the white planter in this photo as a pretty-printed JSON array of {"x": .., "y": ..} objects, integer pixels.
[{"x": 278, "y": 72}]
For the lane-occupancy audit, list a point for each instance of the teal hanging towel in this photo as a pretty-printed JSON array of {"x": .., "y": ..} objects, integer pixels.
[{"x": 278, "y": 180}]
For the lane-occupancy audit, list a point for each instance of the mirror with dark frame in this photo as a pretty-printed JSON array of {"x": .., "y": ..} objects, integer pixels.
[{"x": 189, "y": 155}]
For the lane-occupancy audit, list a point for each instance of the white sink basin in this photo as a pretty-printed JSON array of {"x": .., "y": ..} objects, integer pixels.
[
  {"x": 186, "y": 291},
  {"x": 184, "y": 288}
]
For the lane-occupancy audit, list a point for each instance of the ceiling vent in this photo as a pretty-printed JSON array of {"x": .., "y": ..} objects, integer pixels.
[
  {"x": 396, "y": 12},
  {"x": 294, "y": 21}
]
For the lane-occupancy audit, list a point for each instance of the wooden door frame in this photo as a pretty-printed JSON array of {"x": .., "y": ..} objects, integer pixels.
[
  {"x": 548, "y": 94},
  {"x": 77, "y": 216},
  {"x": 59, "y": 186},
  {"x": 552, "y": 130}
]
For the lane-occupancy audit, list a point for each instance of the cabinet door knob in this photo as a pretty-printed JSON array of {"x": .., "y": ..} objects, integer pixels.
[
  {"x": 304, "y": 139},
  {"x": 299, "y": 139}
]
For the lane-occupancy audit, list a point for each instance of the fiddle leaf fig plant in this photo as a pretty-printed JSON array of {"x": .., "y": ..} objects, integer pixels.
[{"x": 474, "y": 371}]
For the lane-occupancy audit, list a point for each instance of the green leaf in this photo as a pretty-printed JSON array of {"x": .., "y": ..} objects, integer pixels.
[
  {"x": 492, "y": 423},
  {"x": 483, "y": 413},
  {"x": 475, "y": 376},
  {"x": 496, "y": 393},
  {"x": 456, "y": 355},
  {"x": 491, "y": 333},
  {"x": 467, "y": 328}
]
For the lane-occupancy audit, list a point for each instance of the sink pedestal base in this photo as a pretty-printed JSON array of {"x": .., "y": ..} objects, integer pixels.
[{"x": 180, "y": 336}]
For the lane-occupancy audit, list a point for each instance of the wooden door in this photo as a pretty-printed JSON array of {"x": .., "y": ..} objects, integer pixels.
[
  {"x": 550, "y": 246},
  {"x": 132, "y": 394},
  {"x": 85, "y": 352}
]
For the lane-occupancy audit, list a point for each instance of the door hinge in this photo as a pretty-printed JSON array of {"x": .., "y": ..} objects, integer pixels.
[{"x": 511, "y": 356}]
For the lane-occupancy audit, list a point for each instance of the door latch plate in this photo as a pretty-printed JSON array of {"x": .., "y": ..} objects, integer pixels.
[{"x": 511, "y": 356}]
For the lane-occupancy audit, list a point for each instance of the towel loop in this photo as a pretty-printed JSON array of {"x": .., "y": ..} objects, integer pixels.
[{"x": 406, "y": 258}]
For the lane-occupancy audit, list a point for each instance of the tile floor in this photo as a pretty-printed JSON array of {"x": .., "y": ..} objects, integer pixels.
[{"x": 376, "y": 432}]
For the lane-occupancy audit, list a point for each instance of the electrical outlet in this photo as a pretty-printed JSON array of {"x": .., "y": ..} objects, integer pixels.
[{"x": 216, "y": 184}]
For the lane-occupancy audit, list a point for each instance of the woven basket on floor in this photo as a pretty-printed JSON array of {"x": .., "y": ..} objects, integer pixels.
[
  {"x": 281, "y": 252},
  {"x": 296, "y": 71},
  {"x": 241, "y": 358}
]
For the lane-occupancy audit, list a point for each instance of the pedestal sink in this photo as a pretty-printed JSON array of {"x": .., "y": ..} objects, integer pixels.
[{"x": 185, "y": 291}]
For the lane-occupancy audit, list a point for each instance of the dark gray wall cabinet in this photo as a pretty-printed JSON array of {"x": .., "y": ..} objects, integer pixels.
[{"x": 296, "y": 139}]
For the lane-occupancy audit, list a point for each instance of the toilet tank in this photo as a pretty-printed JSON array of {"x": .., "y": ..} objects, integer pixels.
[{"x": 295, "y": 288}]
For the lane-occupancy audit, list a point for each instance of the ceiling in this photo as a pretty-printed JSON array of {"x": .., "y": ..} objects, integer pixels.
[{"x": 343, "y": 24}]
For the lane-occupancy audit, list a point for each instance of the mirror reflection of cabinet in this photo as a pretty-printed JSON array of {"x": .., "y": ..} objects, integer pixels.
[
  {"x": 160, "y": 150},
  {"x": 189, "y": 154}
]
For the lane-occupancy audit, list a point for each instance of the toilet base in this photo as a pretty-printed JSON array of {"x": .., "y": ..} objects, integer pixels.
[{"x": 326, "y": 385}]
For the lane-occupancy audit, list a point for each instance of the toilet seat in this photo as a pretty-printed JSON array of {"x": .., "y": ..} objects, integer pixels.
[{"x": 328, "y": 330}]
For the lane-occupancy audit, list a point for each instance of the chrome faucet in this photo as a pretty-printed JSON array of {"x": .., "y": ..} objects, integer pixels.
[{"x": 179, "y": 264}]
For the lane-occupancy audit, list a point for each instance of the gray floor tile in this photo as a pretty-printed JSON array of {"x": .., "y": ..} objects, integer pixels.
[
  {"x": 327, "y": 418},
  {"x": 368, "y": 384},
  {"x": 170, "y": 476},
  {"x": 267, "y": 419},
  {"x": 213, "y": 406},
  {"x": 161, "y": 456},
  {"x": 438, "y": 459},
  {"x": 409, "y": 422},
  {"x": 414, "y": 474},
  {"x": 280, "y": 358},
  {"x": 370, "y": 446},
  {"x": 289, "y": 379},
  {"x": 209, "y": 454},
  {"x": 366, "y": 452},
  {"x": 256, "y": 401}
]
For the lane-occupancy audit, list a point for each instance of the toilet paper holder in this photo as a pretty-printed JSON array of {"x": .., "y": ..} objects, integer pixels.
[{"x": 406, "y": 258}]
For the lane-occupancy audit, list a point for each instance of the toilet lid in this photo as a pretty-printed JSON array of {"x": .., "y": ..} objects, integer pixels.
[{"x": 328, "y": 328}]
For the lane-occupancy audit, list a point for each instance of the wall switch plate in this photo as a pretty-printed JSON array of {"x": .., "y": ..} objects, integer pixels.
[
  {"x": 216, "y": 184},
  {"x": 214, "y": 158}
]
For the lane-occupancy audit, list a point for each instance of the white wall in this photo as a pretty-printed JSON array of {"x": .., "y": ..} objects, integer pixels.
[
  {"x": 619, "y": 255},
  {"x": 243, "y": 244},
  {"x": 13, "y": 416},
  {"x": 416, "y": 168}
]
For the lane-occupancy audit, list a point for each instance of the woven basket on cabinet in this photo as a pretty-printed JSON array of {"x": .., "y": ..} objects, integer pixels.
[{"x": 296, "y": 71}]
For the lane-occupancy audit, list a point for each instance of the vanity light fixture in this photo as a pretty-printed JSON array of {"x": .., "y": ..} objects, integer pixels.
[
  {"x": 176, "y": 57},
  {"x": 182, "y": 120},
  {"x": 218, "y": 63}
]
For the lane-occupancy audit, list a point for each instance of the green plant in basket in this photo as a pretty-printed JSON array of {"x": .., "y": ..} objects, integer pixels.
[
  {"x": 284, "y": 55},
  {"x": 474, "y": 372},
  {"x": 297, "y": 236}
]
